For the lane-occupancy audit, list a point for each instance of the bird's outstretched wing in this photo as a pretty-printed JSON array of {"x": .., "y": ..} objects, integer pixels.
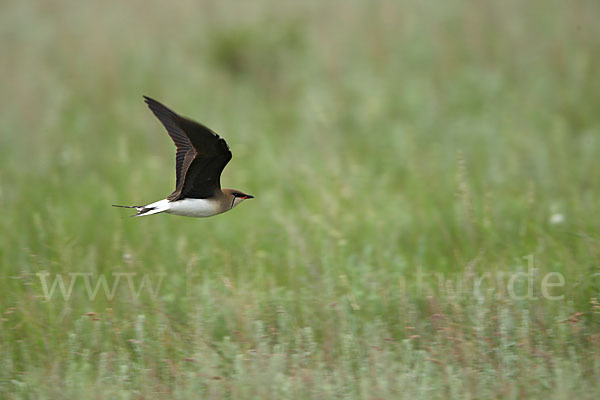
[{"x": 200, "y": 157}]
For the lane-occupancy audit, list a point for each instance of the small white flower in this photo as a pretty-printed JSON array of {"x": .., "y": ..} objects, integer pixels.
[{"x": 557, "y": 218}]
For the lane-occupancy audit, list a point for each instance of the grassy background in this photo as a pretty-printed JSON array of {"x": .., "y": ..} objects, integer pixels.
[{"x": 398, "y": 152}]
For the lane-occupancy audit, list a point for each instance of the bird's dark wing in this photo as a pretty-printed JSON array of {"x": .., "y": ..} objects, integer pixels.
[
  {"x": 185, "y": 151},
  {"x": 201, "y": 154}
]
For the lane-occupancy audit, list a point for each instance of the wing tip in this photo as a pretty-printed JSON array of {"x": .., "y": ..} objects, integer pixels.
[
  {"x": 158, "y": 108},
  {"x": 149, "y": 100}
]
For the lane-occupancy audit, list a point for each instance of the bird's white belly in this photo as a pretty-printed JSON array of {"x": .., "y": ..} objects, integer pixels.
[{"x": 193, "y": 208}]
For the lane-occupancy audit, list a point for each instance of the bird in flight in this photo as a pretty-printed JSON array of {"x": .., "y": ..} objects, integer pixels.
[{"x": 200, "y": 158}]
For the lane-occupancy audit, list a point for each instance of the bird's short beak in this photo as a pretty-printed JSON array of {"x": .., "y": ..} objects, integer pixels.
[{"x": 249, "y": 196}]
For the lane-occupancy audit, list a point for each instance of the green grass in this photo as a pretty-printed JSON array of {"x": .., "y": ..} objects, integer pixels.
[{"x": 399, "y": 152}]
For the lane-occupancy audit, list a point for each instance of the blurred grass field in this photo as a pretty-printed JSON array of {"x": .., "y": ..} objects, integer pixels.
[{"x": 399, "y": 152}]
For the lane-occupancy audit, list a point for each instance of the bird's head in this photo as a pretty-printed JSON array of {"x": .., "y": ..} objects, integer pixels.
[{"x": 236, "y": 197}]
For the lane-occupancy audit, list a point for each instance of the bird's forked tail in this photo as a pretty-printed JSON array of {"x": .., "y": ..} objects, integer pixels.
[{"x": 149, "y": 209}]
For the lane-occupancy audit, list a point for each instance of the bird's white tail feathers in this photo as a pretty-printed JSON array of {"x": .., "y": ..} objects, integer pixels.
[{"x": 149, "y": 209}]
